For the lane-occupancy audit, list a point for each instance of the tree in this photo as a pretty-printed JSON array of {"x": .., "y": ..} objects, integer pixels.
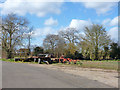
[
  {"x": 50, "y": 42},
  {"x": 95, "y": 38},
  {"x": 38, "y": 50},
  {"x": 60, "y": 47},
  {"x": 28, "y": 37},
  {"x": 85, "y": 49},
  {"x": 71, "y": 35},
  {"x": 106, "y": 52},
  {"x": 71, "y": 47},
  {"x": 13, "y": 28},
  {"x": 115, "y": 51},
  {"x": 78, "y": 55},
  {"x": 54, "y": 44}
]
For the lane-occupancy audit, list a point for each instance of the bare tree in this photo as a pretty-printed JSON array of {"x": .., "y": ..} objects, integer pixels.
[
  {"x": 50, "y": 42},
  {"x": 13, "y": 28},
  {"x": 28, "y": 38},
  {"x": 54, "y": 44},
  {"x": 60, "y": 47},
  {"x": 70, "y": 34}
]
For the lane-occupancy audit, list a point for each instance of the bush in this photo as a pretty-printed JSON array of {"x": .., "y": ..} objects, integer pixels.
[
  {"x": 76, "y": 55},
  {"x": 10, "y": 59},
  {"x": 79, "y": 63}
]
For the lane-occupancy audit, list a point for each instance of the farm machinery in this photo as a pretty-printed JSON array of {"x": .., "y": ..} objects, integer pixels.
[
  {"x": 69, "y": 60},
  {"x": 64, "y": 60},
  {"x": 46, "y": 59},
  {"x": 40, "y": 58}
]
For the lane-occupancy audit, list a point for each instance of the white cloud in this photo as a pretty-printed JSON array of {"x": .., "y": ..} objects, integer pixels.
[
  {"x": 106, "y": 21},
  {"x": 100, "y": 7},
  {"x": 93, "y": 0},
  {"x": 51, "y": 22},
  {"x": 111, "y": 22},
  {"x": 40, "y": 34},
  {"x": 37, "y": 7},
  {"x": 114, "y": 21},
  {"x": 113, "y": 32},
  {"x": 79, "y": 24},
  {"x": 44, "y": 31}
]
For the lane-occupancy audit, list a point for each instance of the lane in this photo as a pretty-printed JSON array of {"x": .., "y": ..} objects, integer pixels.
[{"x": 18, "y": 75}]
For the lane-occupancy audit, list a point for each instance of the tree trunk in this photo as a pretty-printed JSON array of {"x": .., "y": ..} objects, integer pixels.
[
  {"x": 96, "y": 53},
  {"x": 9, "y": 54}
]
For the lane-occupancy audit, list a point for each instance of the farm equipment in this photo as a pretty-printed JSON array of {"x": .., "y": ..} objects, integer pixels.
[
  {"x": 23, "y": 55},
  {"x": 64, "y": 60},
  {"x": 68, "y": 60},
  {"x": 40, "y": 58}
]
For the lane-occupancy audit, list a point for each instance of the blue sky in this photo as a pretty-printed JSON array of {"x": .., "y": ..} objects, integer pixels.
[{"x": 49, "y": 18}]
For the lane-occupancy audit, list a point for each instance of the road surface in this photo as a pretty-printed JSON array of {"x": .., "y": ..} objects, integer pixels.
[{"x": 18, "y": 75}]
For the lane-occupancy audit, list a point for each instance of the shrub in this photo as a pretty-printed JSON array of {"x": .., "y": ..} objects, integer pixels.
[{"x": 79, "y": 63}]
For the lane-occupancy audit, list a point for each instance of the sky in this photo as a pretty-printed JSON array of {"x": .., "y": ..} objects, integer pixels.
[{"x": 51, "y": 17}]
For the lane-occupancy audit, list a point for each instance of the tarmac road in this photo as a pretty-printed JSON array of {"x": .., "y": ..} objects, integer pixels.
[{"x": 18, "y": 75}]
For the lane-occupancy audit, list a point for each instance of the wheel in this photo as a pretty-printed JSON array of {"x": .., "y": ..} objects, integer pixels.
[{"x": 50, "y": 61}]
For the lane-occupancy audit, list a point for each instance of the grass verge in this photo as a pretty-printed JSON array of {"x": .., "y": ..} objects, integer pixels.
[
  {"x": 12, "y": 60},
  {"x": 110, "y": 65}
]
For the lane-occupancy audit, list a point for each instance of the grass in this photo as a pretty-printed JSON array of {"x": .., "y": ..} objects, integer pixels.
[
  {"x": 111, "y": 65},
  {"x": 9, "y": 60},
  {"x": 12, "y": 60},
  {"x": 106, "y": 64}
]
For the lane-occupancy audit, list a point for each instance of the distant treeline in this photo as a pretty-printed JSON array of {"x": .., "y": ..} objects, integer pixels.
[{"x": 94, "y": 44}]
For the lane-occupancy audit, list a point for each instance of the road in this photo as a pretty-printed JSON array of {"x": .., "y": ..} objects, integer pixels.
[{"x": 18, "y": 75}]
